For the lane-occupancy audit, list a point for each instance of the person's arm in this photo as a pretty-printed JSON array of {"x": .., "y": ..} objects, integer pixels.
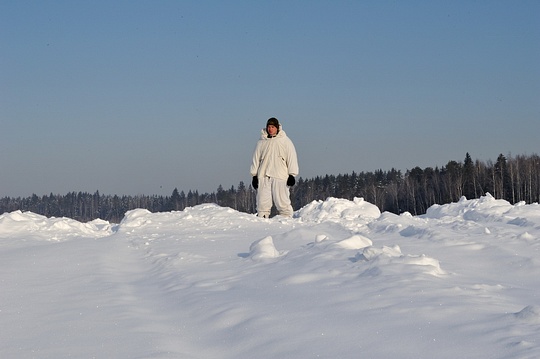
[
  {"x": 292, "y": 160},
  {"x": 255, "y": 162}
]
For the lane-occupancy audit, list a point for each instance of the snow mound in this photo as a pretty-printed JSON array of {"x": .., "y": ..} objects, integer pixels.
[
  {"x": 388, "y": 256},
  {"x": 52, "y": 229},
  {"x": 405, "y": 224},
  {"x": 136, "y": 218},
  {"x": 371, "y": 253},
  {"x": 201, "y": 217},
  {"x": 484, "y": 208},
  {"x": 338, "y": 209},
  {"x": 263, "y": 249},
  {"x": 524, "y": 214},
  {"x": 529, "y": 314},
  {"x": 526, "y": 236},
  {"x": 355, "y": 242}
]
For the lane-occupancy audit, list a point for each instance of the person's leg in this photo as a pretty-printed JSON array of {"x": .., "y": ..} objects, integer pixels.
[
  {"x": 281, "y": 196},
  {"x": 264, "y": 197}
]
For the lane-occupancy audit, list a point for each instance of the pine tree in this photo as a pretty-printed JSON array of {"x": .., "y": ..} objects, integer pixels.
[{"x": 469, "y": 178}]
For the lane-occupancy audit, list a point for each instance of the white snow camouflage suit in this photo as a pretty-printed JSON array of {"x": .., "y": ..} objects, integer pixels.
[{"x": 274, "y": 160}]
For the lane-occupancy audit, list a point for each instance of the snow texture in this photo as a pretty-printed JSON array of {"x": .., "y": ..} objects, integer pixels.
[{"x": 338, "y": 280}]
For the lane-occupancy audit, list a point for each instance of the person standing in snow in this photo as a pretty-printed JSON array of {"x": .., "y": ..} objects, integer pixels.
[{"x": 273, "y": 169}]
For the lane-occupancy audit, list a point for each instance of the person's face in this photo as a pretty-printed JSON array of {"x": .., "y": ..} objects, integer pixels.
[{"x": 272, "y": 130}]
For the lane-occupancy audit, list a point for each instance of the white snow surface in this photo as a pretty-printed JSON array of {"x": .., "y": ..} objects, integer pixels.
[{"x": 338, "y": 280}]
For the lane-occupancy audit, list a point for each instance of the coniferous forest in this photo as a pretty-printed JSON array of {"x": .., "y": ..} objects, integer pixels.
[{"x": 514, "y": 179}]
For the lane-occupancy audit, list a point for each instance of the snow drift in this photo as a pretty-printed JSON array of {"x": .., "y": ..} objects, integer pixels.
[{"x": 339, "y": 280}]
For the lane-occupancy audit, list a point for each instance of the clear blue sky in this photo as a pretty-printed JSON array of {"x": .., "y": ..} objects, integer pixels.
[{"x": 140, "y": 97}]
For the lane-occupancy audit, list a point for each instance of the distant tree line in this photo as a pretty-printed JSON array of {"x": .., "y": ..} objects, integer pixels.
[{"x": 514, "y": 179}]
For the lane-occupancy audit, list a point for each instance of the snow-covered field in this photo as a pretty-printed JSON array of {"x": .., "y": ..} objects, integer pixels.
[{"x": 339, "y": 280}]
